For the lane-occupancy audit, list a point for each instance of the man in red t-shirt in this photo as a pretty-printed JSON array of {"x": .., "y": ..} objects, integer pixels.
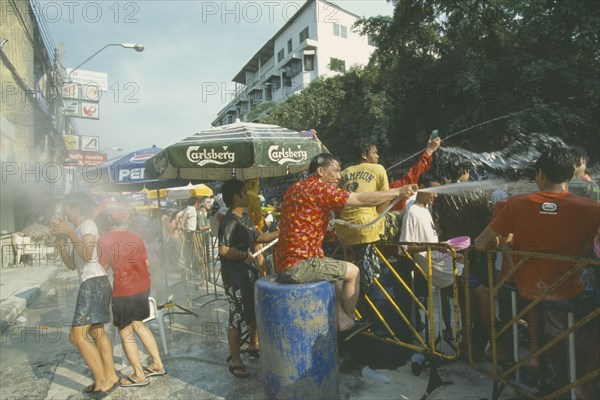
[
  {"x": 305, "y": 214},
  {"x": 551, "y": 221},
  {"x": 125, "y": 252}
]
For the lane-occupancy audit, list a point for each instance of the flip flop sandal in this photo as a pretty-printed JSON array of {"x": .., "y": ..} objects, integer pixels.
[
  {"x": 90, "y": 388},
  {"x": 133, "y": 383},
  {"x": 359, "y": 326},
  {"x": 529, "y": 379},
  {"x": 150, "y": 372},
  {"x": 239, "y": 371},
  {"x": 98, "y": 394},
  {"x": 253, "y": 353}
]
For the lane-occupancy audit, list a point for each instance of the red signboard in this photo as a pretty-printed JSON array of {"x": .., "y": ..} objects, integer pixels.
[{"x": 83, "y": 159}]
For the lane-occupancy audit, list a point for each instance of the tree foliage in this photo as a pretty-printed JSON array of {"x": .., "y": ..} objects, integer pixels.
[{"x": 452, "y": 64}]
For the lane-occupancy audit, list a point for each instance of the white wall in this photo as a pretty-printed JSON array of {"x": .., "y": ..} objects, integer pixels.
[
  {"x": 319, "y": 17},
  {"x": 307, "y": 18},
  {"x": 353, "y": 50}
]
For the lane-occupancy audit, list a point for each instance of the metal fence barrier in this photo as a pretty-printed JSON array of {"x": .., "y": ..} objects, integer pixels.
[
  {"x": 579, "y": 320},
  {"x": 587, "y": 320}
]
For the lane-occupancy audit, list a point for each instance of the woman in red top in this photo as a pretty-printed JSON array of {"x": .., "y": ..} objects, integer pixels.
[{"x": 125, "y": 253}]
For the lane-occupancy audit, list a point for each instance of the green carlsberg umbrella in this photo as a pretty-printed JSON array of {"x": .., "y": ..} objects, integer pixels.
[{"x": 241, "y": 150}]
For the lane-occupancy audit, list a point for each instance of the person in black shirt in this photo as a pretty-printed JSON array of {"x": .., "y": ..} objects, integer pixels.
[{"x": 237, "y": 235}]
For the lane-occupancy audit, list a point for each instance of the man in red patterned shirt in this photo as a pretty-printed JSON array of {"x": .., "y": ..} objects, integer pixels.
[{"x": 305, "y": 214}]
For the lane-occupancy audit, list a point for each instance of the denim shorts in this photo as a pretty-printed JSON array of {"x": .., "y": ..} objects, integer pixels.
[
  {"x": 315, "y": 269},
  {"x": 93, "y": 302}
]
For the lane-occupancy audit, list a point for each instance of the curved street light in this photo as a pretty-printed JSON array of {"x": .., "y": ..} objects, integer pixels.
[
  {"x": 118, "y": 148},
  {"x": 136, "y": 47}
]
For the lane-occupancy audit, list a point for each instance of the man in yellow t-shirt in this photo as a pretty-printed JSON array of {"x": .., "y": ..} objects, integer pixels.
[{"x": 367, "y": 176}]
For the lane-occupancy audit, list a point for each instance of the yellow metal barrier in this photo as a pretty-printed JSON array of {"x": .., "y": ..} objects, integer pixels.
[
  {"x": 502, "y": 377},
  {"x": 425, "y": 345}
]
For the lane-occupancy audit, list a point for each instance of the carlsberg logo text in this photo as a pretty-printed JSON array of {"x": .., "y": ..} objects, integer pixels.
[
  {"x": 209, "y": 156},
  {"x": 284, "y": 155}
]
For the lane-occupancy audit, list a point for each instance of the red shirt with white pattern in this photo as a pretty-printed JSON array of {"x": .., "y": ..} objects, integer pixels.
[
  {"x": 303, "y": 220},
  {"x": 412, "y": 177}
]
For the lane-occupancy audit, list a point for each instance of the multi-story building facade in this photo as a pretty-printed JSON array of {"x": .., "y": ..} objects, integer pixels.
[
  {"x": 31, "y": 144},
  {"x": 317, "y": 41}
]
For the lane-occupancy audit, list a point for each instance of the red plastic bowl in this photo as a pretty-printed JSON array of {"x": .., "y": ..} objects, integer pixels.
[{"x": 460, "y": 242}]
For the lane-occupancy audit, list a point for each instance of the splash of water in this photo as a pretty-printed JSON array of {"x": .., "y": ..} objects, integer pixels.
[
  {"x": 576, "y": 185},
  {"x": 518, "y": 155},
  {"x": 463, "y": 188}
]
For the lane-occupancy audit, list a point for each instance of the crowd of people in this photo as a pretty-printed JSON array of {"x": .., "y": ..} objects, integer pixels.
[
  {"x": 552, "y": 221},
  {"x": 308, "y": 205}
]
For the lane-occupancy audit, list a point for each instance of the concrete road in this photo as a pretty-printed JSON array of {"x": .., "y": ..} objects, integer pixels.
[{"x": 38, "y": 362}]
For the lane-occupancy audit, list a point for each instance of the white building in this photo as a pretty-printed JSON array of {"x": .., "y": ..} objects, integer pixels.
[{"x": 316, "y": 42}]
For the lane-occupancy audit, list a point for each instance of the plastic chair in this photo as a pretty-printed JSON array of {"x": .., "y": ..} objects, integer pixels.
[
  {"x": 155, "y": 314},
  {"x": 22, "y": 245}
]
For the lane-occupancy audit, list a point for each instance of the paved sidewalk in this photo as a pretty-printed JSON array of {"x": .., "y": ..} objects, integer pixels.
[
  {"x": 38, "y": 361},
  {"x": 19, "y": 287}
]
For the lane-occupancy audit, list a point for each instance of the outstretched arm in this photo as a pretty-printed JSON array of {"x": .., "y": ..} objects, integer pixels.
[
  {"x": 370, "y": 199},
  {"x": 413, "y": 174}
]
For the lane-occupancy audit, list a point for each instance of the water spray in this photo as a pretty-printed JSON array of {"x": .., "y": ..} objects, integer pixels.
[{"x": 434, "y": 133}]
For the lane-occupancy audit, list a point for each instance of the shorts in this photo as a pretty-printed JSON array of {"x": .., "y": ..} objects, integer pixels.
[
  {"x": 315, "y": 269},
  {"x": 93, "y": 302},
  {"x": 367, "y": 260},
  {"x": 127, "y": 309},
  {"x": 392, "y": 225},
  {"x": 241, "y": 304},
  {"x": 478, "y": 269}
]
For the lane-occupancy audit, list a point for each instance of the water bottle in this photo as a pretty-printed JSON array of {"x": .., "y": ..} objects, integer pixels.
[
  {"x": 417, "y": 361},
  {"x": 374, "y": 376},
  {"x": 58, "y": 215}
]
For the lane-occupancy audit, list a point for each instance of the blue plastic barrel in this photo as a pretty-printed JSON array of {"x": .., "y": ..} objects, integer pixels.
[{"x": 298, "y": 339}]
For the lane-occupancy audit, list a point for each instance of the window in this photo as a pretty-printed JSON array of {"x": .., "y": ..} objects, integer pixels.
[
  {"x": 309, "y": 62},
  {"x": 280, "y": 55},
  {"x": 286, "y": 80},
  {"x": 275, "y": 82},
  {"x": 289, "y": 46},
  {"x": 296, "y": 67},
  {"x": 338, "y": 65},
  {"x": 268, "y": 92},
  {"x": 340, "y": 30},
  {"x": 304, "y": 34}
]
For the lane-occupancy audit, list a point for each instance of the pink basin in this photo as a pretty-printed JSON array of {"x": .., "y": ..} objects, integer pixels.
[{"x": 460, "y": 242}]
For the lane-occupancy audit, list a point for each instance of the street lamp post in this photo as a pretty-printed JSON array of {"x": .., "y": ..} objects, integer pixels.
[
  {"x": 136, "y": 47},
  {"x": 117, "y": 148},
  {"x": 106, "y": 150}
]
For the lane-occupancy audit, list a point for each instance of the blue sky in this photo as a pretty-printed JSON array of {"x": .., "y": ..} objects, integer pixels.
[{"x": 191, "y": 47}]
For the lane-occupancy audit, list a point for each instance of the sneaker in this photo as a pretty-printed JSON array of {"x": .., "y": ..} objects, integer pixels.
[{"x": 358, "y": 327}]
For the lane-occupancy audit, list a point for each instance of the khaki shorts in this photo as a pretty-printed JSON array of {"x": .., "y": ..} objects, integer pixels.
[{"x": 315, "y": 269}]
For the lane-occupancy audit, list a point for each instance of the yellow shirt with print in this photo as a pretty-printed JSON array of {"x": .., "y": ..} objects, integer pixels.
[{"x": 365, "y": 177}]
